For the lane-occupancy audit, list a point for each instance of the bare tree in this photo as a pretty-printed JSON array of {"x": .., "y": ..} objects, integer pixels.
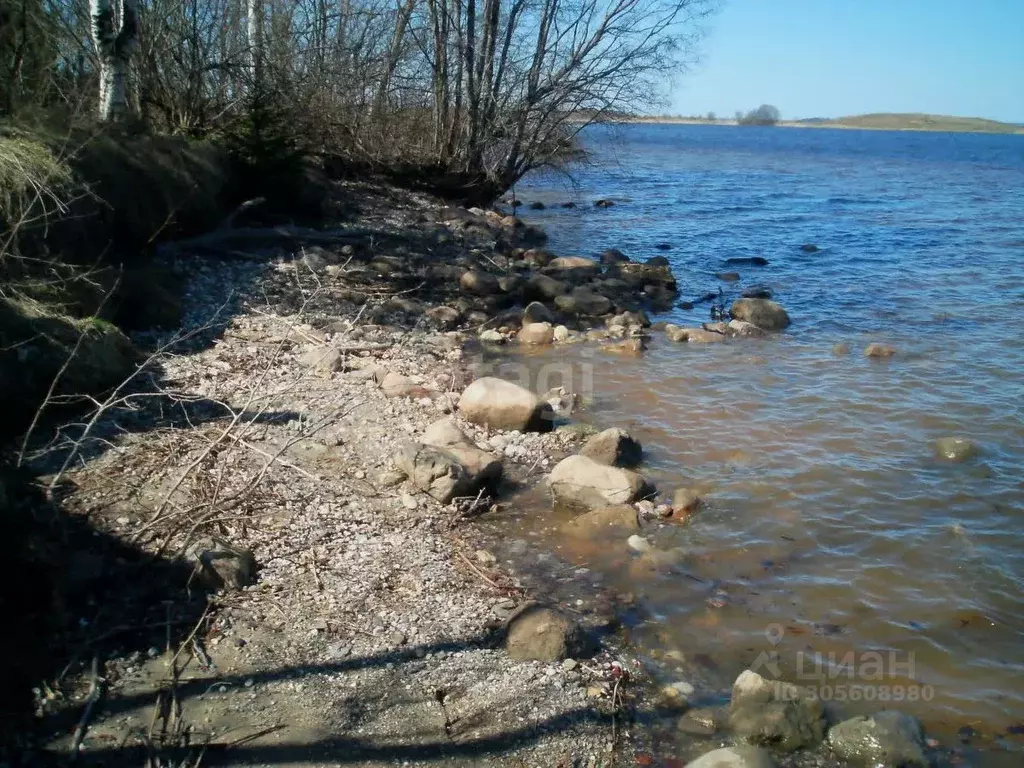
[{"x": 115, "y": 33}]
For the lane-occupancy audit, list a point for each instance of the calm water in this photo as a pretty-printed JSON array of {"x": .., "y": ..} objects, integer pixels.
[{"x": 829, "y": 519}]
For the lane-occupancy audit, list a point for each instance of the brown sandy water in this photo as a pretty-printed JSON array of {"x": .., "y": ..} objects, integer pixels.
[{"x": 832, "y": 539}]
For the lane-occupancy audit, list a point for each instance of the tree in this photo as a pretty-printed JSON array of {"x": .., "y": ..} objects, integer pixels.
[
  {"x": 115, "y": 37},
  {"x": 766, "y": 114}
]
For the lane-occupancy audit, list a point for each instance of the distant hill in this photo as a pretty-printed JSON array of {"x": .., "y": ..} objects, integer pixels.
[{"x": 894, "y": 121}]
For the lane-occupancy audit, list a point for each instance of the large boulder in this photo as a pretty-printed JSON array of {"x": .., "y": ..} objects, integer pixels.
[
  {"x": 483, "y": 468},
  {"x": 776, "y": 714},
  {"x": 613, "y": 447},
  {"x": 539, "y": 633},
  {"x": 618, "y": 519},
  {"x": 501, "y": 404},
  {"x": 734, "y": 757},
  {"x": 639, "y": 275},
  {"x": 887, "y": 739},
  {"x": 536, "y": 333},
  {"x": 764, "y": 313},
  {"x": 543, "y": 288},
  {"x": 579, "y": 481},
  {"x": 613, "y": 256}
]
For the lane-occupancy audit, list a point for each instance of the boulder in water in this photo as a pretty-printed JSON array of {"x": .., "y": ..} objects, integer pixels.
[
  {"x": 728, "y": 277},
  {"x": 887, "y": 739},
  {"x": 613, "y": 256},
  {"x": 537, "y": 333},
  {"x": 613, "y": 447},
  {"x": 604, "y": 203},
  {"x": 773, "y": 713},
  {"x": 502, "y": 404},
  {"x": 751, "y": 261},
  {"x": 763, "y": 313},
  {"x": 579, "y": 481}
]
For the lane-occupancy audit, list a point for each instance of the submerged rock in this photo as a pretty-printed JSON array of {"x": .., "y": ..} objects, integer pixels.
[
  {"x": 502, "y": 404},
  {"x": 753, "y": 261},
  {"x": 734, "y": 757},
  {"x": 540, "y": 633},
  {"x": 685, "y": 501},
  {"x": 879, "y": 350},
  {"x": 613, "y": 447},
  {"x": 582, "y": 482},
  {"x": 887, "y": 739},
  {"x": 728, "y": 277},
  {"x": 764, "y": 313},
  {"x": 809, "y": 248},
  {"x": 628, "y": 347},
  {"x": 956, "y": 448},
  {"x": 692, "y": 335},
  {"x": 744, "y": 330},
  {"x": 773, "y": 713},
  {"x": 603, "y": 520}
]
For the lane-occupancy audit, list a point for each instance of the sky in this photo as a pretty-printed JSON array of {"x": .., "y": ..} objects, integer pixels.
[{"x": 830, "y": 58}]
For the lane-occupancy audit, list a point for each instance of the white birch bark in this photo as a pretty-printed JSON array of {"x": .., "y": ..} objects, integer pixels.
[
  {"x": 254, "y": 33},
  {"x": 115, "y": 36}
]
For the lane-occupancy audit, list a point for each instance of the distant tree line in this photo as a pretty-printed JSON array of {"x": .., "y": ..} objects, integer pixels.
[{"x": 766, "y": 114}]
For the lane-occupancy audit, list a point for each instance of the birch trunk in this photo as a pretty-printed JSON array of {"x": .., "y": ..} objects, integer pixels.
[{"x": 115, "y": 36}]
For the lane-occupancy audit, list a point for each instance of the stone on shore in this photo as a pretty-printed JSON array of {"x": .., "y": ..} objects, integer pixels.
[
  {"x": 323, "y": 360},
  {"x": 540, "y": 633},
  {"x": 773, "y": 713},
  {"x": 613, "y": 256},
  {"x": 443, "y": 317},
  {"x": 764, "y": 313},
  {"x": 434, "y": 471},
  {"x": 734, "y": 757},
  {"x": 584, "y": 301},
  {"x": 620, "y": 518},
  {"x": 887, "y": 739},
  {"x": 579, "y": 481},
  {"x": 479, "y": 283},
  {"x": 484, "y": 468},
  {"x": 491, "y": 336},
  {"x": 538, "y": 257},
  {"x": 219, "y": 565},
  {"x": 956, "y": 449},
  {"x": 561, "y": 333},
  {"x": 543, "y": 288},
  {"x": 879, "y": 350},
  {"x": 536, "y": 312},
  {"x": 536, "y": 333},
  {"x": 396, "y": 385},
  {"x": 613, "y": 447},
  {"x": 501, "y": 404}
]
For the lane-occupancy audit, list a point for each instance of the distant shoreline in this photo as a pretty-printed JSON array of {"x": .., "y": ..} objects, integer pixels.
[{"x": 933, "y": 124}]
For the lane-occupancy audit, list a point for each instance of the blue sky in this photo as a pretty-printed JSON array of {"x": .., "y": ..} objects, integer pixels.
[{"x": 828, "y": 58}]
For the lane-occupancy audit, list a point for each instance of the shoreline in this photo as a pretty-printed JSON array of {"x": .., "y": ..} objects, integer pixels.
[
  {"x": 366, "y": 582},
  {"x": 797, "y": 124}
]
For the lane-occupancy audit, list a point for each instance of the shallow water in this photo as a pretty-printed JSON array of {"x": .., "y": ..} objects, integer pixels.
[{"x": 831, "y": 526}]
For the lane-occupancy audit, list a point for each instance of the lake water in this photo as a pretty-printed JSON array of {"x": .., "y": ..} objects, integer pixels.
[{"x": 831, "y": 527}]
